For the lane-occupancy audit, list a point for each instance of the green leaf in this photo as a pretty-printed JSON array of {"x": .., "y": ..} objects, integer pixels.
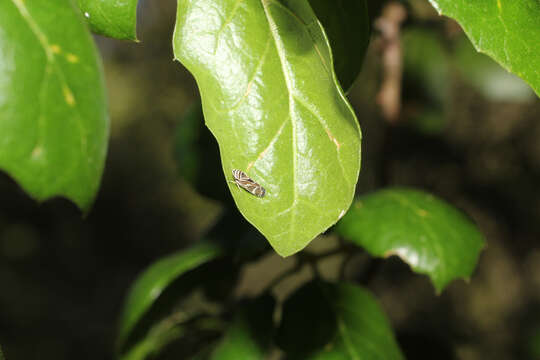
[
  {"x": 347, "y": 24},
  {"x": 427, "y": 233},
  {"x": 1, "y": 354},
  {"x": 159, "y": 337},
  {"x": 249, "y": 335},
  {"x": 270, "y": 97},
  {"x": 426, "y": 65},
  {"x": 506, "y": 30},
  {"x": 186, "y": 151},
  {"x": 53, "y": 116},
  {"x": 151, "y": 283},
  {"x": 335, "y": 321},
  {"x": 426, "y": 79},
  {"x": 112, "y": 18}
]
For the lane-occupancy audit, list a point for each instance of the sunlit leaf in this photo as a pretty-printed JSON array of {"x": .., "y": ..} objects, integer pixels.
[
  {"x": 53, "y": 118},
  {"x": 151, "y": 283},
  {"x": 249, "y": 335},
  {"x": 427, "y": 233},
  {"x": 335, "y": 321},
  {"x": 269, "y": 94},
  {"x": 112, "y": 18},
  {"x": 506, "y": 30}
]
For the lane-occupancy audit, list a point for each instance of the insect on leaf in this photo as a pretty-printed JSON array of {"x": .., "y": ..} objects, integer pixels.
[{"x": 271, "y": 99}]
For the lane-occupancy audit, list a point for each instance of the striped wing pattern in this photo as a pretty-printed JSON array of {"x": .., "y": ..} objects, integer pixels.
[{"x": 245, "y": 182}]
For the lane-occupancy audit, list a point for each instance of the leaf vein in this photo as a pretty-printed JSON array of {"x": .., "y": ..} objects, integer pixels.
[
  {"x": 45, "y": 44},
  {"x": 281, "y": 54},
  {"x": 244, "y": 97}
]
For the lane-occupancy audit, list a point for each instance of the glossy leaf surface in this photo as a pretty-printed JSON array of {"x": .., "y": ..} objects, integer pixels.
[
  {"x": 151, "y": 283},
  {"x": 249, "y": 335},
  {"x": 506, "y": 30},
  {"x": 347, "y": 24},
  {"x": 427, "y": 233},
  {"x": 53, "y": 118},
  {"x": 112, "y": 18},
  {"x": 271, "y": 99},
  {"x": 335, "y": 321}
]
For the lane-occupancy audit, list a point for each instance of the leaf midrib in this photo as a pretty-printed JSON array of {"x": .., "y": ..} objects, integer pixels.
[
  {"x": 281, "y": 54},
  {"x": 51, "y": 61}
]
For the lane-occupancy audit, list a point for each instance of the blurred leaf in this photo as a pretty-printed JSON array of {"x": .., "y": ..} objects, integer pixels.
[
  {"x": 426, "y": 63},
  {"x": 429, "y": 120},
  {"x": 249, "y": 335},
  {"x": 112, "y": 18},
  {"x": 1, "y": 354},
  {"x": 335, "y": 321},
  {"x": 53, "y": 117},
  {"x": 488, "y": 77},
  {"x": 346, "y": 22},
  {"x": 427, "y": 233},
  {"x": 533, "y": 344},
  {"x": 271, "y": 99},
  {"x": 151, "y": 283},
  {"x": 186, "y": 150},
  {"x": 426, "y": 79},
  {"x": 158, "y": 337},
  {"x": 506, "y": 30}
]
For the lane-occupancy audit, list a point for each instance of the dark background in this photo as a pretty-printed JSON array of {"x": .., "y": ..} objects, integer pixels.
[{"x": 63, "y": 277}]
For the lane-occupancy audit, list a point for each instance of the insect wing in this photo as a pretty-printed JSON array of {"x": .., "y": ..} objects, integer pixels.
[{"x": 241, "y": 179}]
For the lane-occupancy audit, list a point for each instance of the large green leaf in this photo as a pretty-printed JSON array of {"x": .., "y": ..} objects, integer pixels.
[
  {"x": 347, "y": 24},
  {"x": 430, "y": 235},
  {"x": 335, "y": 321},
  {"x": 155, "y": 279},
  {"x": 53, "y": 118},
  {"x": 270, "y": 97},
  {"x": 506, "y": 30},
  {"x": 249, "y": 335},
  {"x": 113, "y": 18}
]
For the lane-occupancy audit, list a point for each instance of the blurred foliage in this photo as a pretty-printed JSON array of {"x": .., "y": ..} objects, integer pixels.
[
  {"x": 335, "y": 321},
  {"x": 347, "y": 26},
  {"x": 250, "y": 333},
  {"x": 426, "y": 79},
  {"x": 149, "y": 285},
  {"x": 186, "y": 150}
]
